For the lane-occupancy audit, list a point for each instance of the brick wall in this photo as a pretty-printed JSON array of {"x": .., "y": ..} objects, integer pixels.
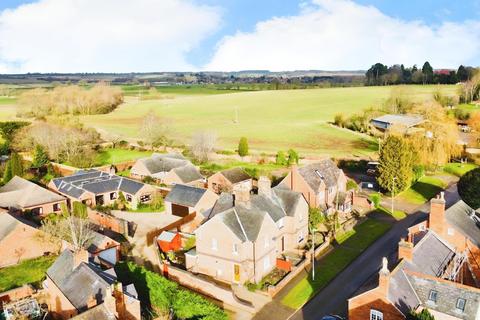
[
  {"x": 16, "y": 294},
  {"x": 359, "y": 308},
  {"x": 108, "y": 222}
]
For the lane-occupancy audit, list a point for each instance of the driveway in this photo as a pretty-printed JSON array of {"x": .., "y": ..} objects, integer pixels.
[
  {"x": 143, "y": 254},
  {"x": 333, "y": 298}
]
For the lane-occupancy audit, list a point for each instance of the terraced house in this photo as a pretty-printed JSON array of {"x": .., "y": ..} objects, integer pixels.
[
  {"x": 437, "y": 269},
  {"x": 170, "y": 169},
  {"x": 94, "y": 187},
  {"x": 245, "y": 233}
]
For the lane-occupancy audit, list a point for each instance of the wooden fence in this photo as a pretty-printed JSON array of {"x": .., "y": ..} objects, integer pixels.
[{"x": 174, "y": 225}]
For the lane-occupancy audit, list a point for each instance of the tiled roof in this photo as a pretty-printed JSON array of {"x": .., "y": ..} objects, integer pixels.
[
  {"x": 7, "y": 224},
  {"x": 20, "y": 193},
  {"x": 185, "y": 195},
  {"x": 244, "y": 223},
  {"x": 400, "y": 119},
  {"x": 462, "y": 216},
  {"x": 324, "y": 171},
  {"x": 235, "y": 175},
  {"x": 79, "y": 284},
  {"x": 188, "y": 173},
  {"x": 96, "y": 182},
  {"x": 164, "y": 162},
  {"x": 98, "y": 312}
]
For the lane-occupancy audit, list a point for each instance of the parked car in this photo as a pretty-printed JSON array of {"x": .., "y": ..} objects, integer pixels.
[
  {"x": 333, "y": 317},
  {"x": 372, "y": 168}
]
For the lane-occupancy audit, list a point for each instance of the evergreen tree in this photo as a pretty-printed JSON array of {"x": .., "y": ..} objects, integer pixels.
[
  {"x": 7, "y": 174},
  {"x": 462, "y": 73},
  {"x": 40, "y": 157},
  {"x": 13, "y": 168},
  {"x": 243, "y": 147},
  {"x": 281, "y": 159},
  {"x": 427, "y": 71},
  {"x": 292, "y": 157},
  {"x": 422, "y": 315},
  {"x": 468, "y": 187},
  {"x": 396, "y": 165}
]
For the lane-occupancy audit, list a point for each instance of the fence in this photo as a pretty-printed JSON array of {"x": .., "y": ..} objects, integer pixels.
[{"x": 151, "y": 235}]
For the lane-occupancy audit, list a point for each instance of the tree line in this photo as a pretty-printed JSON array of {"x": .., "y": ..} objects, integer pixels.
[
  {"x": 381, "y": 75},
  {"x": 72, "y": 99}
]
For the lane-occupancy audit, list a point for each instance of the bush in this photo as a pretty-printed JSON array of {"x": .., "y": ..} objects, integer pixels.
[
  {"x": 468, "y": 187},
  {"x": 243, "y": 147},
  {"x": 418, "y": 172},
  {"x": 351, "y": 185},
  {"x": 40, "y": 157},
  {"x": 292, "y": 157},
  {"x": 376, "y": 199},
  {"x": 148, "y": 180},
  {"x": 339, "y": 120},
  {"x": 281, "y": 158}
]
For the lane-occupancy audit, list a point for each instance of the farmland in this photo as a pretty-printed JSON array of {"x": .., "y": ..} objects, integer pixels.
[{"x": 271, "y": 120}]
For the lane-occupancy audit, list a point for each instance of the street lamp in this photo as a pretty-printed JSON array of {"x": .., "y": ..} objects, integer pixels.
[
  {"x": 313, "y": 253},
  {"x": 393, "y": 191}
]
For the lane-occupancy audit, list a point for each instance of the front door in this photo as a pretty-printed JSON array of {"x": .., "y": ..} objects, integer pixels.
[
  {"x": 283, "y": 244},
  {"x": 236, "y": 272}
]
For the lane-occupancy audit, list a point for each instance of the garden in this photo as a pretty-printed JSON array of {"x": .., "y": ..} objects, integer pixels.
[{"x": 30, "y": 271}]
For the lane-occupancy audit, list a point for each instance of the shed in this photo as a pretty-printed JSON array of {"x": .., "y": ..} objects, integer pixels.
[{"x": 169, "y": 241}]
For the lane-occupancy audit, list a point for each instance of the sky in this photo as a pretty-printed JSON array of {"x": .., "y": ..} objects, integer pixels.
[{"x": 233, "y": 35}]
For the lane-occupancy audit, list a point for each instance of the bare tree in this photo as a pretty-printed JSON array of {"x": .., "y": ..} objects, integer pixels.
[
  {"x": 203, "y": 144},
  {"x": 73, "y": 229},
  {"x": 154, "y": 130}
]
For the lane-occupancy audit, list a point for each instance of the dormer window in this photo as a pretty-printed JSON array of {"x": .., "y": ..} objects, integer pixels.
[{"x": 460, "y": 305}]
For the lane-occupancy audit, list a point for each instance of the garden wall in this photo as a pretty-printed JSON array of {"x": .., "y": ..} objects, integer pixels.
[
  {"x": 109, "y": 222},
  {"x": 274, "y": 290},
  {"x": 16, "y": 294}
]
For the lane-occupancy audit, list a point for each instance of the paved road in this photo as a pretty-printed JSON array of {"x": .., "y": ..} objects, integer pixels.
[{"x": 333, "y": 299}]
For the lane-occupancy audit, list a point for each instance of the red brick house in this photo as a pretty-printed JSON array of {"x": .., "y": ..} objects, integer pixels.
[
  {"x": 437, "y": 269},
  {"x": 169, "y": 241}
]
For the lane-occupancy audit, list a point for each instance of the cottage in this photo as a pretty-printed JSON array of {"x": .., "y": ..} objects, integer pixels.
[
  {"x": 169, "y": 169},
  {"x": 437, "y": 269},
  {"x": 22, "y": 195},
  {"x": 77, "y": 287},
  {"x": 322, "y": 184},
  {"x": 32, "y": 244},
  {"x": 226, "y": 180},
  {"x": 169, "y": 241},
  {"x": 94, "y": 187},
  {"x": 244, "y": 233}
]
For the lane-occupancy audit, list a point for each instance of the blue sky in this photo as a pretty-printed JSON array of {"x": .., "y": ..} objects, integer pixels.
[{"x": 312, "y": 34}]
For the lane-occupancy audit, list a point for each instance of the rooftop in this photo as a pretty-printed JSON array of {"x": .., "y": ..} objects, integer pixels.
[
  {"x": 399, "y": 119},
  {"x": 235, "y": 175},
  {"x": 325, "y": 171},
  {"x": 185, "y": 195}
]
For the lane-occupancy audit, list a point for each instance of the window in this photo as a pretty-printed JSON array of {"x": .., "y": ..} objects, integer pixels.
[
  {"x": 432, "y": 296},
  {"x": 300, "y": 237},
  {"x": 145, "y": 198},
  {"x": 235, "y": 248},
  {"x": 376, "y": 315},
  {"x": 214, "y": 244},
  {"x": 56, "y": 207},
  {"x": 113, "y": 196},
  {"x": 266, "y": 263},
  {"x": 423, "y": 228},
  {"x": 450, "y": 231},
  {"x": 460, "y": 306},
  {"x": 129, "y": 197}
]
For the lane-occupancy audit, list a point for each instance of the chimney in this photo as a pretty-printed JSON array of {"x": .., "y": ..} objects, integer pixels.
[
  {"x": 293, "y": 176},
  {"x": 79, "y": 257},
  {"x": 241, "y": 194},
  {"x": 405, "y": 250},
  {"x": 436, "y": 218},
  {"x": 264, "y": 186},
  {"x": 384, "y": 278}
]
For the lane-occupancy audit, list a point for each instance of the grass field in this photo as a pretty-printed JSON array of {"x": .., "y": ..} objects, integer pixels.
[
  {"x": 271, "y": 120},
  {"x": 113, "y": 156},
  {"x": 459, "y": 169},
  {"x": 136, "y": 90},
  {"x": 28, "y": 271},
  {"x": 423, "y": 190},
  {"x": 397, "y": 214},
  {"x": 327, "y": 269}
]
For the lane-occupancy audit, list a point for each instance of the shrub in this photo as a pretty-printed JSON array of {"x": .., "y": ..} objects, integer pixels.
[
  {"x": 243, "y": 147},
  {"x": 281, "y": 158},
  {"x": 40, "y": 157},
  {"x": 376, "y": 199},
  {"x": 292, "y": 157},
  {"x": 468, "y": 187},
  {"x": 351, "y": 185},
  {"x": 148, "y": 180},
  {"x": 418, "y": 172},
  {"x": 190, "y": 243},
  {"x": 339, "y": 120}
]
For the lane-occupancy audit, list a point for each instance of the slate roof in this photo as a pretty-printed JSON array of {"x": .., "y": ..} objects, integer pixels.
[
  {"x": 20, "y": 193},
  {"x": 7, "y": 224},
  {"x": 185, "y": 195},
  {"x": 244, "y": 223},
  {"x": 188, "y": 173},
  {"x": 97, "y": 242},
  {"x": 235, "y": 175},
  {"x": 325, "y": 170},
  {"x": 282, "y": 203},
  {"x": 463, "y": 217},
  {"x": 98, "y": 312},
  {"x": 430, "y": 257},
  {"x": 164, "y": 162},
  {"x": 80, "y": 283},
  {"x": 400, "y": 119},
  {"x": 96, "y": 182}
]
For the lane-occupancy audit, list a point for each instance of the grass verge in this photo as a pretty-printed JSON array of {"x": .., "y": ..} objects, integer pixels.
[
  {"x": 27, "y": 271},
  {"x": 397, "y": 214},
  {"x": 113, "y": 156},
  {"x": 459, "y": 169},
  {"x": 329, "y": 267},
  {"x": 423, "y": 190}
]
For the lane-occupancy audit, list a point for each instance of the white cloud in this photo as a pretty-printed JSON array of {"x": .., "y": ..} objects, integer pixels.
[
  {"x": 103, "y": 35},
  {"x": 343, "y": 35}
]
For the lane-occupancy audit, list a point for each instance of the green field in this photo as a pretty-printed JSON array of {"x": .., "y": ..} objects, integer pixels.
[
  {"x": 423, "y": 190},
  {"x": 327, "y": 269},
  {"x": 271, "y": 120},
  {"x": 28, "y": 271},
  {"x": 114, "y": 156}
]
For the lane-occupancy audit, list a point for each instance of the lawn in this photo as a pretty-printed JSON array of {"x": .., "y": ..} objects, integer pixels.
[
  {"x": 423, "y": 190},
  {"x": 28, "y": 271},
  {"x": 397, "y": 214},
  {"x": 459, "y": 169},
  {"x": 136, "y": 90},
  {"x": 113, "y": 156},
  {"x": 327, "y": 269},
  {"x": 253, "y": 169},
  {"x": 271, "y": 120}
]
